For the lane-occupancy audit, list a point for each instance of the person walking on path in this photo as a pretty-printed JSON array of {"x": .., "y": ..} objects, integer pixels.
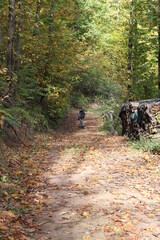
[{"x": 81, "y": 117}]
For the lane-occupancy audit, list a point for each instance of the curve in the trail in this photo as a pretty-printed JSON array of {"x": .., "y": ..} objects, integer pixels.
[{"x": 98, "y": 188}]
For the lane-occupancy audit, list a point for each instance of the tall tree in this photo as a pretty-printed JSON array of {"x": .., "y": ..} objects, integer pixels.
[
  {"x": 51, "y": 18},
  {"x": 118, "y": 10},
  {"x": 19, "y": 32},
  {"x": 130, "y": 46},
  {"x": 159, "y": 45},
  {"x": 36, "y": 24},
  {"x": 11, "y": 55},
  {"x": 1, "y": 35}
]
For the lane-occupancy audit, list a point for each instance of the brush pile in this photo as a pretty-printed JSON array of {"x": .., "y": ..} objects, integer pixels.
[{"x": 140, "y": 117}]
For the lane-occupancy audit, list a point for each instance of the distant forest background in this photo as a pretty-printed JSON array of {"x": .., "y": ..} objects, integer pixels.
[{"x": 55, "y": 55}]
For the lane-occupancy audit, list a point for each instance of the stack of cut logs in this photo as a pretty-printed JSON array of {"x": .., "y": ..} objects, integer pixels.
[{"x": 140, "y": 117}]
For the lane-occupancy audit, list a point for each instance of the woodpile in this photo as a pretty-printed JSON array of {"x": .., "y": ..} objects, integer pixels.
[{"x": 140, "y": 117}]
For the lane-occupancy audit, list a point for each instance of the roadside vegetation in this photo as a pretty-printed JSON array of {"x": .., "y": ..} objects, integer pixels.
[
  {"x": 59, "y": 55},
  {"x": 147, "y": 144}
]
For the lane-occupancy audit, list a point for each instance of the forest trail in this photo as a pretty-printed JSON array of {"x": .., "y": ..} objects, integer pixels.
[{"x": 97, "y": 187}]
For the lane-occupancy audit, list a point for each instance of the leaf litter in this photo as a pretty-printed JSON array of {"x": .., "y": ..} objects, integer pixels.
[{"x": 80, "y": 185}]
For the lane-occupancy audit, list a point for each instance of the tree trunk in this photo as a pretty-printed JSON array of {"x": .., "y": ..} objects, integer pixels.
[
  {"x": 1, "y": 38},
  {"x": 11, "y": 33},
  {"x": 134, "y": 68},
  {"x": 42, "y": 100},
  {"x": 1, "y": 45},
  {"x": 52, "y": 18},
  {"x": 11, "y": 57},
  {"x": 118, "y": 10},
  {"x": 130, "y": 43},
  {"x": 19, "y": 40},
  {"x": 36, "y": 24},
  {"x": 159, "y": 48},
  {"x": 130, "y": 46}
]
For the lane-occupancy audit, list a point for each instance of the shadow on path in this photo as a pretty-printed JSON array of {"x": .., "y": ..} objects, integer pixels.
[{"x": 97, "y": 188}]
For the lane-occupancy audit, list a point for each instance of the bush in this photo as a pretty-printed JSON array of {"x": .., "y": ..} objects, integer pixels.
[
  {"x": 19, "y": 122},
  {"x": 109, "y": 90},
  {"x": 79, "y": 100},
  {"x": 110, "y": 99},
  {"x": 145, "y": 144},
  {"x": 111, "y": 109}
]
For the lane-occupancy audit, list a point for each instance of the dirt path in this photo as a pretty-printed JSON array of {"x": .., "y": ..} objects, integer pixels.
[{"x": 98, "y": 188}]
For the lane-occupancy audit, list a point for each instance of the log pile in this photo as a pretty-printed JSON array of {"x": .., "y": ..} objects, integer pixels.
[{"x": 140, "y": 117}]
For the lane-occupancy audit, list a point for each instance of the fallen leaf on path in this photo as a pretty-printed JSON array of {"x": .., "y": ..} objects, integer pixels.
[
  {"x": 31, "y": 230},
  {"x": 50, "y": 197},
  {"x": 57, "y": 188},
  {"x": 19, "y": 172},
  {"x": 128, "y": 226},
  {"x": 16, "y": 196},
  {"x": 87, "y": 238},
  {"x": 85, "y": 192},
  {"x": 107, "y": 229},
  {"x": 85, "y": 214},
  {"x": 50, "y": 214},
  {"x": 151, "y": 216},
  {"x": 92, "y": 148},
  {"x": 3, "y": 227},
  {"x": 18, "y": 226},
  {"x": 8, "y": 215}
]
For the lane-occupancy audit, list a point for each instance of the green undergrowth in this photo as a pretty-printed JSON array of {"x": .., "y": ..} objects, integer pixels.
[
  {"x": 112, "y": 127},
  {"x": 79, "y": 100},
  {"x": 110, "y": 113},
  {"x": 110, "y": 99},
  {"x": 146, "y": 144}
]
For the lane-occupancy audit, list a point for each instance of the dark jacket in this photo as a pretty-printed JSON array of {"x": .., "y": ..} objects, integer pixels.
[{"x": 81, "y": 114}]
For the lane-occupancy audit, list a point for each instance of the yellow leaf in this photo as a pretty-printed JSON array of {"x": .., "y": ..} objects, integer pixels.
[
  {"x": 2, "y": 120},
  {"x": 87, "y": 238},
  {"x": 19, "y": 173},
  {"x": 15, "y": 196},
  {"x": 30, "y": 162},
  {"x": 127, "y": 226},
  {"x": 50, "y": 197},
  {"x": 151, "y": 216},
  {"x": 85, "y": 214}
]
